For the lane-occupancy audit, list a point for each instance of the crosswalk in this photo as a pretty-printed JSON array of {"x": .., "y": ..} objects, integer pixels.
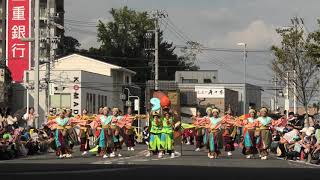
[{"x": 138, "y": 158}]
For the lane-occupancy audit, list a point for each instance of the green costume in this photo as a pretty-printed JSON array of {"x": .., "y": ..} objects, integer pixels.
[
  {"x": 155, "y": 135},
  {"x": 167, "y": 134}
]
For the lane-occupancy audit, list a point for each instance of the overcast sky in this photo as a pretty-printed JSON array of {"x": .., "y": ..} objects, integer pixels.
[{"x": 213, "y": 23}]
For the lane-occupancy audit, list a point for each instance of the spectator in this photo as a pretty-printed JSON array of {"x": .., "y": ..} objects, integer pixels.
[
  {"x": 8, "y": 117},
  {"x": 30, "y": 117}
]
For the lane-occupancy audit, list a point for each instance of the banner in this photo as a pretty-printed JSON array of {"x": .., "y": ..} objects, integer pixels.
[
  {"x": 209, "y": 92},
  {"x": 18, "y": 27}
]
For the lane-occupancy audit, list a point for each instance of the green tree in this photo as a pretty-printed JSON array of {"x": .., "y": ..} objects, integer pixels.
[
  {"x": 123, "y": 42},
  {"x": 69, "y": 45},
  {"x": 296, "y": 55}
]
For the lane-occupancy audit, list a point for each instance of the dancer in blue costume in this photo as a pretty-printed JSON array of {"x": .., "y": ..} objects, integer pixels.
[
  {"x": 213, "y": 137},
  {"x": 105, "y": 139},
  {"x": 61, "y": 136}
]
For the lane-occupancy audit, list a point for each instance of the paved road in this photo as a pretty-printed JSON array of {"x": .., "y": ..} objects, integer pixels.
[{"x": 190, "y": 164}]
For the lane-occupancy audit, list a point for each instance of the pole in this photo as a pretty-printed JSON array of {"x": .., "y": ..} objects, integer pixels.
[
  {"x": 156, "y": 55},
  {"x": 245, "y": 79},
  {"x": 294, "y": 94},
  {"x": 139, "y": 116},
  {"x": 275, "y": 93},
  {"x": 49, "y": 56},
  {"x": 36, "y": 60},
  {"x": 287, "y": 105}
]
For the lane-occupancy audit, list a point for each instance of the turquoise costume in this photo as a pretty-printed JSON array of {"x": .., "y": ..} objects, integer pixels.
[
  {"x": 105, "y": 138},
  {"x": 213, "y": 137}
]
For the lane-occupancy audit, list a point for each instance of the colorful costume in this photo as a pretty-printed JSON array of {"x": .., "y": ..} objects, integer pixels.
[
  {"x": 155, "y": 135},
  {"x": 167, "y": 141},
  {"x": 61, "y": 136},
  {"x": 105, "y": 138},
  {"x": 84, "y": 133},
  {"x": 249, "y": 139},
  {"x": 213, "y": 136},
  {"x": 229, "y": 132},
  {"x": 200, "y": 123},
  {"x": 263, "y": 130},
  {"x": 128, "y": 130}
]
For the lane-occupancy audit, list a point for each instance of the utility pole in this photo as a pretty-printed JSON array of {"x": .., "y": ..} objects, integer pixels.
[
  {"x": 245, "y": 75},
  {"x": 36, "y": 59},
  {"x": 51, "y": 46},
  {"x": 275, "y": 81},
  {"x": 156, "y": 55},
  {"x": 294, "y": 93},
  {"x": 287, "y": 102},
  {"x": 156, "y": 15}
]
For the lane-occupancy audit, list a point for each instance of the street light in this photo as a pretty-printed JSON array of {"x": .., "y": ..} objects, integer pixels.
[{"x": 245, "y": 74}]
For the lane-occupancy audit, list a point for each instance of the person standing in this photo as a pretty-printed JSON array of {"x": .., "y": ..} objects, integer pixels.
[
  {"x": 105, "y": 137},
  {"x": 84, "y": 132},
  {"x": 8, "y": 117},
  {"x": 199, "y": 132},
  {"x": 30, "y": 117},
  {"x": 263, "y": 130},
  {"x": 116, "y": 117},
  {"x": 228, "y": 132},
  {"x": 167, "y": 141},
  {"x": 61, "y": 136},
  {"x": 155, "y": 135},
  {"x": 249, "y": 139},
  {"x": 213, "y": 137},
  {"x": 128, "y": 129}
]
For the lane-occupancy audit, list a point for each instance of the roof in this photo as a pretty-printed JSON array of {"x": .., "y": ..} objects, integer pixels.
[{"x": 98, "y": 64}]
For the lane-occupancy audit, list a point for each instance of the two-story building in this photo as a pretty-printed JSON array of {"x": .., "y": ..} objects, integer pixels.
[{"x": 78, "y": 82}]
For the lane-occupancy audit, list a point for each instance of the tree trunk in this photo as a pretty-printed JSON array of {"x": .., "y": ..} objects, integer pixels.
[{"x": 306, "y": 117}]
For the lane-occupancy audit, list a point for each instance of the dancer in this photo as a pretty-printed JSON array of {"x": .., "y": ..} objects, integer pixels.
[
  {"x": 199, "y": 131},
  {"x": 249, "y": 139},
  {"x": 213, "y": 137},
  {"x": 155, "y": 135},
  {"x": 116, "y": 132},
  {"x": 61, "y": 135},
  {"x": 128, "y": 129},
  {"x": 228, "y": 131},
  {"x": 167, "y": 141},
  {"x": 105, "y": 138},
  {"x": 84, "y": 132},
  {"x": 263, "y": 131}
]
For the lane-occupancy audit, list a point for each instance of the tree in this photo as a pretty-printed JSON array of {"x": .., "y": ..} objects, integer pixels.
[
  {"x": 123, "y": 43},
  {"x": 296, "y": 56},
  {"x": 69, "y": 45}
]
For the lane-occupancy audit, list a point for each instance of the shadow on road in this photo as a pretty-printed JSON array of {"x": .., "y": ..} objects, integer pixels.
[{"x": 18, "y": 171}]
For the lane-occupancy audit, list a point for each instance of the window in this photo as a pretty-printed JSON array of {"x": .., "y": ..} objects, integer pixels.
[
  {"x": 207, "y": 81},
  {"x": 127, "y": 79},
  {"x": 99, "y": 101},
  {"x": 90, "y": 103},
  {"x": 105, "y": 101},
  {"x": 190, "y": 81},
  {"x": 60, "y": 101},
  {"x": 94, "y": 103}
]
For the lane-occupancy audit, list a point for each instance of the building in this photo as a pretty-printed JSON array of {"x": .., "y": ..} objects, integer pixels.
[
  {"x": 201, "y": 76},
  {"x": 57, "y": 9},
  {"x": 196, "y": 84},
  {"x": 79, "y": 82},
  {"x": 190, "y": 91},
  {"x": 2, "y": 30}
]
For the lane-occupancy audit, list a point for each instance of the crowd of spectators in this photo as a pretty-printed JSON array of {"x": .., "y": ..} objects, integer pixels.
[{"x": 19, "y": 138}]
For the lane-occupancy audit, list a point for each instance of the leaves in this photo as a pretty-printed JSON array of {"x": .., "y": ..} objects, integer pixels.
[{"x": 298, "y": 56}]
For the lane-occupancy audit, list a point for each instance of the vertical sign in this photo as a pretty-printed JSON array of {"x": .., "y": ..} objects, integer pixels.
[{"x": 18, "y": 27}]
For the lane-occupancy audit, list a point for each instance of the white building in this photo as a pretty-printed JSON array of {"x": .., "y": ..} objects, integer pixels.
[{"x": 80, "y": 82}]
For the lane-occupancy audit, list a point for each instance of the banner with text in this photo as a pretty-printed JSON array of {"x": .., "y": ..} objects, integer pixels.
[
  {"x": 209, "y": 92},
  {"x": 18, "y": 27}
]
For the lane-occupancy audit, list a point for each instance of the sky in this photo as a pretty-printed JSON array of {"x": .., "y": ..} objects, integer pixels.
[{"x": 213, "y": 23}]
